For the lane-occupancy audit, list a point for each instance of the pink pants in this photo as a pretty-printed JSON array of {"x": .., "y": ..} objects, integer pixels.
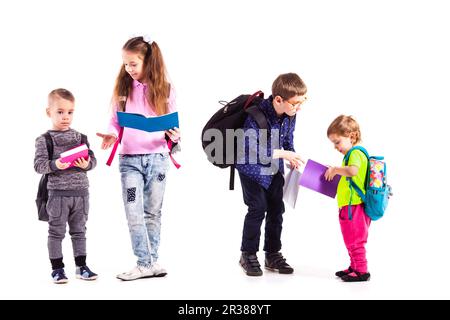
[{"x": 355, "y": 234}]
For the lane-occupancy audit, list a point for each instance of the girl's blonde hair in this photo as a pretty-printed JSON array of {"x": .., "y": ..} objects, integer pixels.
[
  {"x": 155, "y": 76},
  {"x": 345, "y": 126}
]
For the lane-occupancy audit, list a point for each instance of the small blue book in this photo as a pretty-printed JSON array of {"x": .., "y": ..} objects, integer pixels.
[{"x": 151, "y": 124}]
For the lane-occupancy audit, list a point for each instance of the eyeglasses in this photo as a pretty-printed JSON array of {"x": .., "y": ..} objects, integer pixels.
[{"x": 298, "y": 103}]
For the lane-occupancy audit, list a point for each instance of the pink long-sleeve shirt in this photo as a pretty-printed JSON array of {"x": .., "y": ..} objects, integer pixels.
[{"x": 137, "y": 141}]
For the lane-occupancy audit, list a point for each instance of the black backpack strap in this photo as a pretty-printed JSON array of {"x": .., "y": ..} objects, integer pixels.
[
  {"x": 251, "y": 106},
  {"x": 232, "y": 174},
  {"x": 84, "y": 139},
  {"x": 258, "y": 115},
  {"x": 49, "y": 143},
  {"x": 260, "y": 119},
  {"x": 42, "y": 194}
]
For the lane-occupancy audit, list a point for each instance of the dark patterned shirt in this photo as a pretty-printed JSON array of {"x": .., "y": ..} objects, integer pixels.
[{"x": 283, "y": 127}]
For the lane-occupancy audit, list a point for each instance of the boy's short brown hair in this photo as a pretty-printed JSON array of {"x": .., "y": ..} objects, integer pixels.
[
  {"x": 288, "y": 85},
  {"x": 60, "y": 93}
]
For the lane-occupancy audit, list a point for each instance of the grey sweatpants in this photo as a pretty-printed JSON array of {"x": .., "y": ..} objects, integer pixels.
[{"x": 63, "y": 210}]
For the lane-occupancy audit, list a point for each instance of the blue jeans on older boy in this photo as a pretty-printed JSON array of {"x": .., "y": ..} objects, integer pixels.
[{"x": 143, "y": 183}]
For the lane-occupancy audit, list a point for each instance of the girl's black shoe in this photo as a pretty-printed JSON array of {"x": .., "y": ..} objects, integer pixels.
[
  {"x": 356, "y": 276},
  {"x": 345, "y": 272}
]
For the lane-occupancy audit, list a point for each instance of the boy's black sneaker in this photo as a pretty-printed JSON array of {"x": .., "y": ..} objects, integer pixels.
[
  {"x": 345, "y": 272},
  {"x": 249, "y": 262},
  {"x": 356, "y": 276},
  {"x": 275, "y": 262}
]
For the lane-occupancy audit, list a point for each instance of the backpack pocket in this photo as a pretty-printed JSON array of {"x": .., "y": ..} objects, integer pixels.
[
  {"x": 41, "y": 199},
  {"x": 376, "y": 202}
]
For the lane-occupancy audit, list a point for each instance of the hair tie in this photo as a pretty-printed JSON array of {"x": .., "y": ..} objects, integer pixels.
[{"x": 147, "y": 39}]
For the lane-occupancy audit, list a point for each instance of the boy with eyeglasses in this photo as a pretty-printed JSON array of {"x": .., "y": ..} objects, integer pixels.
[{"x": 262, "y": 183}]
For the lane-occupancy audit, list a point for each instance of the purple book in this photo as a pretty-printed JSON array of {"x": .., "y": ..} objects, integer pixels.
[{"x": 314, "y": 179}]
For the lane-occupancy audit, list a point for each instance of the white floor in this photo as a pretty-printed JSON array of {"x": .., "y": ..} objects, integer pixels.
[{"x": 200, "y": 249}]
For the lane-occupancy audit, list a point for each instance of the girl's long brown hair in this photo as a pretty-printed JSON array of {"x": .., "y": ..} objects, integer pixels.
[{"x": 154, "y": 76}]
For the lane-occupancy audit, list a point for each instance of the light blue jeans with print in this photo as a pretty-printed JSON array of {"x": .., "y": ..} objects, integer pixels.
[{"x": 143, "y": 183}]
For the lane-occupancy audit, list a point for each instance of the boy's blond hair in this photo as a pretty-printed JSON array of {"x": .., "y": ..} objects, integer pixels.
[
  {"x": 345, "y": 126},
  {"x": 288, "y": 85}
]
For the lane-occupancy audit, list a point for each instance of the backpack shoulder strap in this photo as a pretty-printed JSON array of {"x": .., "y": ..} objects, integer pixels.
[
  {"x": 358, "y": 189},
  {"x": 251, "y": 106},
  {"x": 363, "y": 150},
  {"x": 350, "y": 180},
  {"x": 49, "y": 143},
  {"x": 258, "y": 115},
  {"x": 249, "y": 102},
  {"x": 84, "y": 139}
]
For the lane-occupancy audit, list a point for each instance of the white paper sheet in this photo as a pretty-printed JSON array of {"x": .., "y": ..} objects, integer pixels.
[{"x": 290, "y": 189}]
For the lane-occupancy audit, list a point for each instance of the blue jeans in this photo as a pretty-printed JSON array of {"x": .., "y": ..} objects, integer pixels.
[{"x": 143, "y": 184}]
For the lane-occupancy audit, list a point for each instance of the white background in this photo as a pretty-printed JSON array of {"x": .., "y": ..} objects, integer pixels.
[{"x": 384, "y": 62}]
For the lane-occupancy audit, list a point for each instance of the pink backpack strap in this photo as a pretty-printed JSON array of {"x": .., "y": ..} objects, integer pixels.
[
  {"x": 170, "y": 145},
  {"x": 114, "y": 149},
  {"x": 119, "y": 140}
]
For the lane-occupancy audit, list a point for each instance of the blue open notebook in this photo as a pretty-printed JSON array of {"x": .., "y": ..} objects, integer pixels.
[{"x": 151, "y": 124}]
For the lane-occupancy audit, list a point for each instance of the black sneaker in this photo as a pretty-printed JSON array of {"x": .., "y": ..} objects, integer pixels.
[
  {"x": 356, "y": 276},
  {"x": 345, "y": 272},
  {"x": 249, "y": 262},
  {"x": 275, "y": 262}
]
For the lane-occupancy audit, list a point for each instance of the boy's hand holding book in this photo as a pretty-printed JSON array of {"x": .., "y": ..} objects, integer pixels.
[
  {"x": 294, "y": 158},
  {"x": 82, "y": 163},
  {"x": 61, "y": 165},
  {"x": 75, "y": 157}
]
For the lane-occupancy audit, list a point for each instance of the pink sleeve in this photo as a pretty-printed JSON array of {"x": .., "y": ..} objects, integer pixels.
[
  {"x": 114, "y": 123},
  {"x": 172, "y": 100}
]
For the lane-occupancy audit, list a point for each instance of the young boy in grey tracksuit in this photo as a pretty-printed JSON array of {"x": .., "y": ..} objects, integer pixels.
[{"x": 68, "y": 201}]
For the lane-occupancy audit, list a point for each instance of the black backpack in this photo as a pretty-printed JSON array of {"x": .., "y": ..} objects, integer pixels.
[
  {"x": 42, "y": 194},
  {"x": 232, "y": 116}
]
